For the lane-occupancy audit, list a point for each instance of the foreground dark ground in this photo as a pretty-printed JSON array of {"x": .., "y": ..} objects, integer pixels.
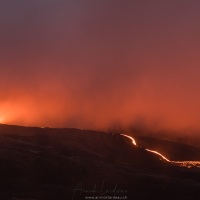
[{"x": 58, "y": 164}]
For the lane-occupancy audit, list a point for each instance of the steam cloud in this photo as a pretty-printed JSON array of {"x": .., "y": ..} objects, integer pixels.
[{"x": 100, "y": 64}]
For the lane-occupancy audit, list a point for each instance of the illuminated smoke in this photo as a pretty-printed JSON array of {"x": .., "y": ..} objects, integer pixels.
[{"x": 90, "y": 64}]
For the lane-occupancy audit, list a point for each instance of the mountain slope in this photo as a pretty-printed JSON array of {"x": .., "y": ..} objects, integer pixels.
[
  {"x": 172, "y": 150},
  {"x": 44, "y": 163}
]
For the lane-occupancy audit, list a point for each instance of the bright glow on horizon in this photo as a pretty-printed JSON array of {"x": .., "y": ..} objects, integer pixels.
[
  {"x": 1, "y": 120},
  {"x": 120, "y": 80}
]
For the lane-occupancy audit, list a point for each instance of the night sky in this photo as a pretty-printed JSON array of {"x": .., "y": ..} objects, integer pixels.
[{"x": 97, "y": 64}]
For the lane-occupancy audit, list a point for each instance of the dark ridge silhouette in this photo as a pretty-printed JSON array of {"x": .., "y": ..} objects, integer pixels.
[{"x": 50, "y": 163}]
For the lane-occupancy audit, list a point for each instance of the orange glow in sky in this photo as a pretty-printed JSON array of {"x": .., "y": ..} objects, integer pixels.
[{"x": 100, "y": 65}]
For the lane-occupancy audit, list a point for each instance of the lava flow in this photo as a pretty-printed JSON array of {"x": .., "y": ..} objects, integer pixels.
[
  {"x": 155, "y": 152},
  {"x": 131, "y": 138},
  {"x": 187, "y": 164}
]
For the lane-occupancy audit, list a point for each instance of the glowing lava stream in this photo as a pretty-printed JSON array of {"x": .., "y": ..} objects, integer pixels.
[
  {"x": 152, "y": 151},
  {"x": 187, "y": 164},
  {"x": 131, "y": 138},
  {"x": 155, "y": 152}
]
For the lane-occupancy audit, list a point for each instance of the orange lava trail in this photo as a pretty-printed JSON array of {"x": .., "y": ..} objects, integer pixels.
[
  {"x": 131, "y": 138},
  {"x": 187, "y": 164},
  {"x": 152, "y": 151},
  {"x": 155, "y": 152}
]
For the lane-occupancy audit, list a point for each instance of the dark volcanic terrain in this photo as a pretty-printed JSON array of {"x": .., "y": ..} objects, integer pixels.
[
  {"x": 172, "y": 150},
  {"x": 58, "y": 164}
]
